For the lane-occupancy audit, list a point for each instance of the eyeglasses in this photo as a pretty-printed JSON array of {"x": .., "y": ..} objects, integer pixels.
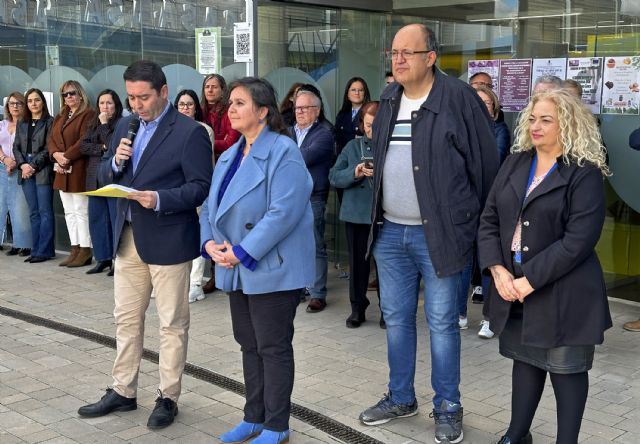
[
  {"x": 183, "y": 105},
  {"x": 69, "y": 94},
  {"x": 356, "y": 90},
  {"x": 303, "y": 109},
  {"x": 480, "y": 83},
  {"x": 406, "y": 54},
  {"x": 16, "y": 104}
]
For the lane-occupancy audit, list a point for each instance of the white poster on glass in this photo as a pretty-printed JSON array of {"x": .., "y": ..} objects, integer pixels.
[
  {"x": 587, "y": 71},
  {"x": 208, "y": 50},
  {"x": 549, "y": 67}
]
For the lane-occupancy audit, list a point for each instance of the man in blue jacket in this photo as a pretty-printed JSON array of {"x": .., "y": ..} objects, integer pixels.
[
  {"x": 156, "y": 236},
  {"x": 316, "y": 143},
  {"x": 436, "y": 159}
]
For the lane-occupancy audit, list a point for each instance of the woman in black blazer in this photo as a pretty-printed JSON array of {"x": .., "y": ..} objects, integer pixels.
[
  {"x": 541, "y": 222},
  {"x": 356, "y": 94},
  {"x": 36, "y": 173}
]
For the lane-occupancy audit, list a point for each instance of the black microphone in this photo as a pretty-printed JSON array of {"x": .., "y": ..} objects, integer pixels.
[{"x": 134, "y": 124}]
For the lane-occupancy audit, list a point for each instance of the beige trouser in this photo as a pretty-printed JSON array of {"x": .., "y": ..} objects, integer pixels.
[{"x": 134, "y": 280}]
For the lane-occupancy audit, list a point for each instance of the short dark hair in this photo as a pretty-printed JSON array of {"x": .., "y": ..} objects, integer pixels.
[
  {"x": 263, "y": 95},
  {"x": 116, "y": 101},
  {"x": 430, "y": 39},
  {"x": 45, "y": 108},
  {"x": 388, "y": 74},
  {"x": 480, "y": 73},
  {"x": 191, "y": 93},
  {"x": 145, "y": 71}
]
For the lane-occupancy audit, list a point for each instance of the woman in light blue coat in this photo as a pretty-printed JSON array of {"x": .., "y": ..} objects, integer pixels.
[{"x": 257, "y": 226}]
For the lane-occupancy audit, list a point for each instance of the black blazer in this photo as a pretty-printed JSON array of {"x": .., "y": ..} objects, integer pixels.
[
  {"x": 177, "y": 164},
  {"x": 346, "y": 129},
  {"x": 40, "y": 155},
  {"x": 561, "y": 223}
]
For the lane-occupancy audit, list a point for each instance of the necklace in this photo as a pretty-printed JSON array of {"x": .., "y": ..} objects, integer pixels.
[{"x": 33, "y": 122}]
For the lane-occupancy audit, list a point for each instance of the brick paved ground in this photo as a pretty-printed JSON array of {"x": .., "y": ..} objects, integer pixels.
[{"x": 45, "y": 375}]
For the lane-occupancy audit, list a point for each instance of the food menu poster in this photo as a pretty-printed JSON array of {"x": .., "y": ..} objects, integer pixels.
[
  {"x": 621, "y": 80},
  {"x": 514, "y": 84},
  {"x": 587, "y": 71},
  {"x": 490, "y": 67}
]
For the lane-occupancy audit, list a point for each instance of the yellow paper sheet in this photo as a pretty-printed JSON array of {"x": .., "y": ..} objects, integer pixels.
[{"x": 112, "y": 190}]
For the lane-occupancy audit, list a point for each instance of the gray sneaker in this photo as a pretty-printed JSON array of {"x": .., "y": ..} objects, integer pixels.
[
  {"x": 386, "y": 410},
  {"x": 448, "y": 423}
]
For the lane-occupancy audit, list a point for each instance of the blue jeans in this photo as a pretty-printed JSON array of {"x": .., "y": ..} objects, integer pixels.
[
  {"x": 319, "y": 289},
  {"x": 102, "y": 212},
  {"x": 463, "y": 294},
  {"x": 402, "y": 255},
  {"x": 40, "y": 201},
  {"x": 12, "y": 201}
]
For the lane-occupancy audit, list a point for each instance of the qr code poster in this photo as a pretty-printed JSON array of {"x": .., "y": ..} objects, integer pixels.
[{"x": 242, "y": 42}]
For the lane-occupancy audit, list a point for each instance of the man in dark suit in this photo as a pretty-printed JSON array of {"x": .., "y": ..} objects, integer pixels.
[
  {"x": 316, "y": 143},
  {"x": 156, "y": 237}
]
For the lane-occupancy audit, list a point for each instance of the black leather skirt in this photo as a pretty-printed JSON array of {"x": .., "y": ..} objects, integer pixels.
[{"x": 563, "y": 359}]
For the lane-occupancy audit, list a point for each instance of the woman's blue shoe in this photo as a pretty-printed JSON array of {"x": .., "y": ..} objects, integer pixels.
[
  {"x": 241, "y": 433},
  {"x": 271, "y": 437}
]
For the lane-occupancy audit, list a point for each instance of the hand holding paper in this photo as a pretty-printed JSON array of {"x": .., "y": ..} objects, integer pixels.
[{"x": 113, "y": 190}]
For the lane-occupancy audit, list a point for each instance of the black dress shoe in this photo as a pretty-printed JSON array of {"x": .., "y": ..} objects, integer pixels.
[
  {"x": 526, "y": 439},
  {"x": 38, "y": 259},
  {"x": 163, "y": 414},
  {"x": 13, "y": 251},
  {"x": 100, "y": 267},
  {"x": 383, "y": 324},
  {"x": 28, "y": 259},
  {"x": 24, "y": 252},
  {"x": 111, "y": 271},
  {"x": 353, "y": 321},
  {"x": 110, "y": 402}
]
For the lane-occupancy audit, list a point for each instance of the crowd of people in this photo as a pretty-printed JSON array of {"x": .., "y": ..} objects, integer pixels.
[{"x": 431, "y": 189}]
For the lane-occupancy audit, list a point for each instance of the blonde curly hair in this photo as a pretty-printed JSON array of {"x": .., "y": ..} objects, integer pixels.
[{"x": 579, "y": 134}]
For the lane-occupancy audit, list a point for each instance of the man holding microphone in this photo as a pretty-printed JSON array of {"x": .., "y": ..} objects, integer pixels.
[{"x": 156, "y": 236}]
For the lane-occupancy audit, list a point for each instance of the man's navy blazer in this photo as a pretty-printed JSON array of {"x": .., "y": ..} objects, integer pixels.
[
  {"x": 317, "y": 151},
  {"x": 176, "y": 163}
]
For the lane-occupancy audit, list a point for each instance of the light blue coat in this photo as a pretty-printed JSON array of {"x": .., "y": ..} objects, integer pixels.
[{"x": 266, "y": 210}]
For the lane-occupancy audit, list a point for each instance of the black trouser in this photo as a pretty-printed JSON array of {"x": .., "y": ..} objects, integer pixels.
[
  {"x": 263, "y": 326},
  {"x": 359, "y": 265}
]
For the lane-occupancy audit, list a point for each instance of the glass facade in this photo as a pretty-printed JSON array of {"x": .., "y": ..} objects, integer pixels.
[
  {"x": 326, "y": 42},
  {"x": 45, "y": 43},
  {"x": 328, "y": 45}
]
